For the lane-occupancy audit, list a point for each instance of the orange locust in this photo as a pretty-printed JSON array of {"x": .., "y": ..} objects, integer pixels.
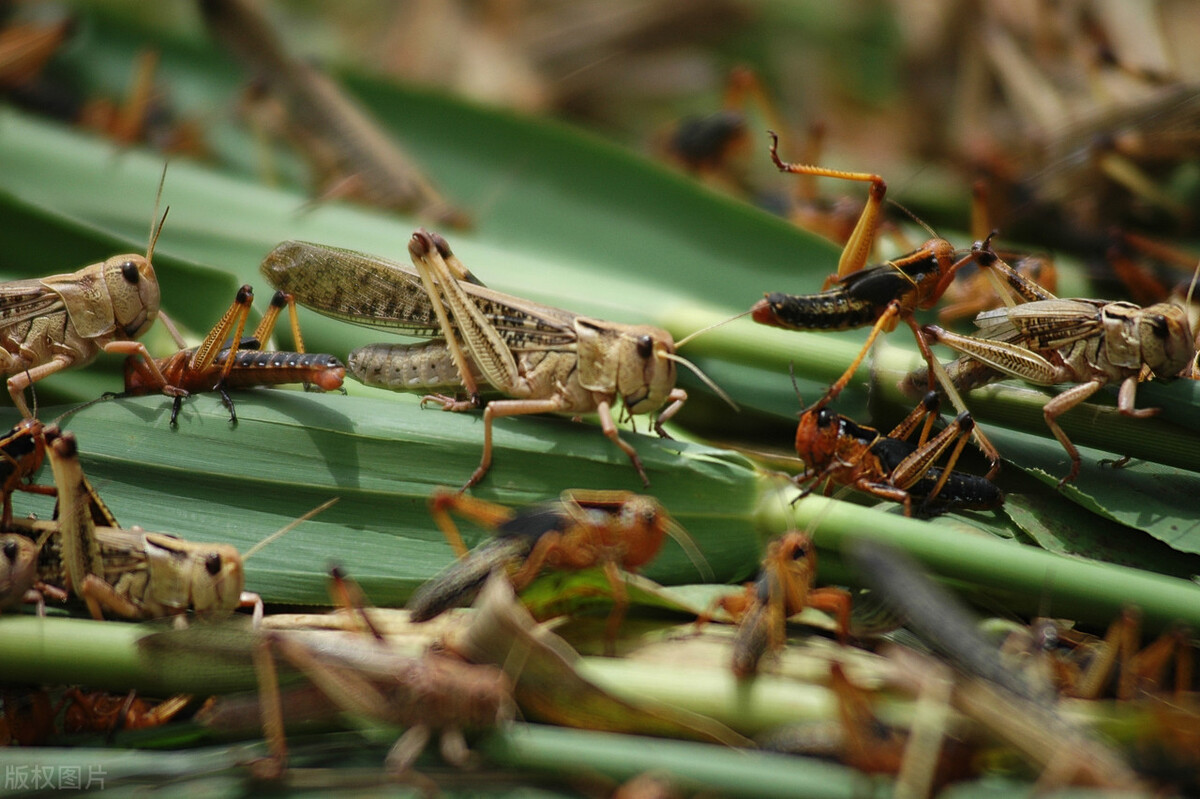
[
  {"x": 100, "y": 711},
  {"x": 784, "y": 587},
  {"x": 614, "y": 530},
  {"x": 709, "y": 146},
  {"x": 22, "y": 451},
  {"x": 864, "y": 742},
  {"x": 837, "y": 450},
  {"x": 216, "y": 365}
]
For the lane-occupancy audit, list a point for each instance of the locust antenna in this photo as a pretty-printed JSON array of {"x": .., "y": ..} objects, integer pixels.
[
  {"x": 681, "y": 537},
  {"x": 708, "y": 381},
  {"x": 287, "y": 528},
  {"x": 795, "y": 385},
  {"x": 714, "y": 325},
  {"x": 1192, "y": 287},
  {"x": 157, "y": 226},
  {"x": 932, "y": 233}
]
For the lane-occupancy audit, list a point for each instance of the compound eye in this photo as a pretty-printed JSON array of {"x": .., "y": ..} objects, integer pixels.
[
  {"x": 645, "y": 346},
  {"x": 800, "y": 551},
  {"x": 825, "y": 417},
  {"x": 212, "y": 564},
  {"x": 1158, "y": 325},
  {"x": 130, "y": 272},
  {"x": 10, "y": 550}
]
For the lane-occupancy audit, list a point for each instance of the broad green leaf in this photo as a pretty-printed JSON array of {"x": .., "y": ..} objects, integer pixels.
[
  {"x": 209, "y": 480},
  {"x": 1156, "y": 499}
]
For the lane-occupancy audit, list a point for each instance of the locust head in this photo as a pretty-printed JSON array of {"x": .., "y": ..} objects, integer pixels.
[
  {"x": 133, "y": 289},
  {"x": 634, "y": 362},
  {"x": 217, "y": 579},
  {"x": 817, "y": 437},
  {"x": 18, "y": 567},
  {"x": 1166, "y": 339}
]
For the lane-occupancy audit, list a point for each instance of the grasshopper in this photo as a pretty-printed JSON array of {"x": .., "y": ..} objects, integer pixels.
[
  {"x": 22, "y": 450},
  {"x": 838, "y": 450},
  {"x": 783, "y": 588},
  {"x": 1092, "y": 343},
  {"x": 546, "y": 359},
  {"x": 18, "y": 569},
  {"x": 53, "y": 323},
  {"x": 211, "y": 367},
  {"x": 350, "y": 155},
  {"x": 133, "y": 573},
  {"x": 614, "y": 530}
]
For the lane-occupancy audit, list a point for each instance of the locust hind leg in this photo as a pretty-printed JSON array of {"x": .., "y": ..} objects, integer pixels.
[
  {"x": 858, "y": 248},
  {"x": 487, "y": 514}
]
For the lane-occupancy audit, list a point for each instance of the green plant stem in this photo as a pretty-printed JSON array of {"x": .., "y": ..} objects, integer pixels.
[
  {"x": 1024, "y": 578},
  {"x": 691, "y": 766}
]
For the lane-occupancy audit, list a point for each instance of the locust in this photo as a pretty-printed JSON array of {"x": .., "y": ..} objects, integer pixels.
[
  {"x": 434, "y": 692},
  {"x": 132, "y": 573},
  {"x": 22, "y": 450},
  {"x": 216, "y": 365},
  {"x": 1091, "y": 343},
  {"x": 62, "y": 321},
  {"x": 614, "y": 530},
  {"x": 350, "y": 154},
  {"x": 544, "y": 359},
  {"x": 783, "y": 588},
  {"x": 18, "y": 570},
  {"x": 838, "y": 450}
]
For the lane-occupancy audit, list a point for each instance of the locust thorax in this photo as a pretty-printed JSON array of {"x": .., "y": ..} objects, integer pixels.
[
  {"x": 631, "y": 361},
  {"x": 643, "y": 523},
  {"x": 1166, "y": 339},
  {"x": 217, "y": 579},
  {"x": 795, "y": 559},
  {"x": 817, "y": 437},
  {"x": 133, "y": 290}
]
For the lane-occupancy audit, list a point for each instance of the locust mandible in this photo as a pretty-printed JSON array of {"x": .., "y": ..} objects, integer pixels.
[{"x": 545, "y": 359}]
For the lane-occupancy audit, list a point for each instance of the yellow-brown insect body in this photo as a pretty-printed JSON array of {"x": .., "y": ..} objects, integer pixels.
[
  {"x": 116, "y": 299},
  {"x": 544, "y": 359},
  {"x": 180, "y": 575},
  {"x": 18, "y": 567},
  {"x": 1090, "y": 343},
  {"x": 60, "y": 321},
  {"x": 132, "y": 573}
]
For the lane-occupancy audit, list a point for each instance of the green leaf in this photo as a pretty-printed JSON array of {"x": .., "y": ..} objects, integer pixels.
[
  {"x": 210, "y": 480},
  {"x": 1156, "y": 499}
]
